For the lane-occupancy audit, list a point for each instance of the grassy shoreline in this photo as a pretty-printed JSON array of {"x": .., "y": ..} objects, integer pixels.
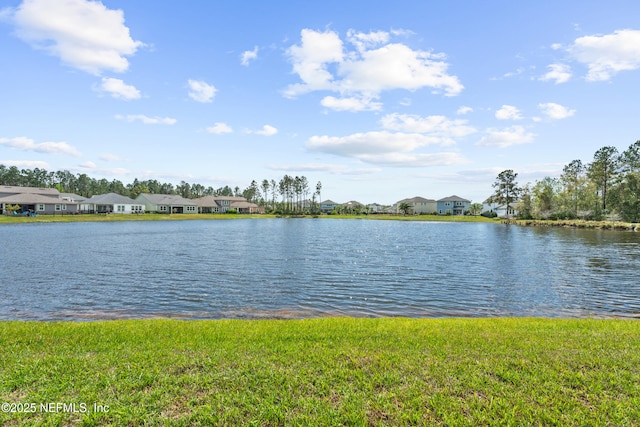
[
  {"x": 5, "y": 219},
  {"x": 333, "y": 371},
  {"x": 578, "y": 223}
]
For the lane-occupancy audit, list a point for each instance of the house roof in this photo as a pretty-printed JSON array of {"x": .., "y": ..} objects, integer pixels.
[
  {"x": 14, "y": 189},
  {"x": 31, "y": 199},
  {"x": 416, "y": 199},
  {"x": 454, "y": 199},
  {"x": 111, "y": 199},
  {"x": 328, "y": 202},
  {"x": 167, "y": 199},
  {"x": 208, "y": 201},
  {"x": 73, "y": 196},
  {"x": 243, "y": 205}
]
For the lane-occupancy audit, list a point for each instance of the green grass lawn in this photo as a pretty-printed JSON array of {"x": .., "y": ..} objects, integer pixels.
[
  {"x": 9, "y": 219},
  {"x": 333, "y": 371}
]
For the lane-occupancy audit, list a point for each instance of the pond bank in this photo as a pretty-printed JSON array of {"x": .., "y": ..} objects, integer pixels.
[
  {"x": 596, "y": 225},
  {"x": 8, "y": 219}
]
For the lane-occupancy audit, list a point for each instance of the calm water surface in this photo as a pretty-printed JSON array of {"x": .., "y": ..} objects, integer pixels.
[{"x": 297, "y": 268}]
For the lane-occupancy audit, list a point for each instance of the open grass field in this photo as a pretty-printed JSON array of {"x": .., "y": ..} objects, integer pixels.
[{"x": 333, "y": 371}]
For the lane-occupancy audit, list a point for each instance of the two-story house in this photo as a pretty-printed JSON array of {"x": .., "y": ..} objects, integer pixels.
[
  {"x": 453, "y": 205},
  {"x": 418, "y": 205}
]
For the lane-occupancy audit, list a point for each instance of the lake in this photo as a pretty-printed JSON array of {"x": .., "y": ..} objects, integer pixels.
[{"x": 301, "y": 268}]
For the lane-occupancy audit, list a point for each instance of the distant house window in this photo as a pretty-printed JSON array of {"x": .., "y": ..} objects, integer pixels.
[
  {"x": 163, "y": 208},
  {"x": 191, "y": 208},
  {"x": 58, "y": 207},
  {"x": 64, "y": 207},
  {"x": 120, "y": 208},
  {"x": 41, "y": 207}
]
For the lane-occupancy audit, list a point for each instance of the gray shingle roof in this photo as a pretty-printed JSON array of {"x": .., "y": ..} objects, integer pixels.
[
  {"x": 454, "y": 199},
  {"x": 110, "y": 199},
  {"x": 208, "y": 201},
  {"x": 416, "y": 199},
  {"x": 30, "y": 199},
  {"x": 168, "y": 199},
  {"x": 13, "y": 189}
]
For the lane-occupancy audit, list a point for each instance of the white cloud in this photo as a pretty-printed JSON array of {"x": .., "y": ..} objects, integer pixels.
[
  {"x": 248, "y": 56},
  {"x": 508, "y": 112},
  {"x": 27, "y": 144},
  {"x": 146, "y": 119},
  {"x": 506, "y": 137},
  {"x": 440, "y": 128},
  {"x": 560, "y": 73},
  {"x": 464, "y": 110},
  {"x": 606, "y": 55},
  {"x": 266, "y": 130},
  {"x": 385, "y": 149},
  {"x": 326, "y": 167},
  {"x": 83, "y": 34},
  {"x": 28, "y": 164},
  {"x": 396, "y": 66},
  {"x": 220, "y": 128},
  {"x": 364, "y": 41},
  {"x": 369, "y": 143},
  {"x": 108, "y": 157},
  {"x": 311, "y": 59},
  {"x": 88, "y": 165},
  {"x": 555, "y": 111},
  {"x": 371, "y": 66},
  {"x": 350, "y": 104},
  {"x": 119, "y": 89},
  {"x": 201, "y": 91},
  {"x": 415, "y": 160}
]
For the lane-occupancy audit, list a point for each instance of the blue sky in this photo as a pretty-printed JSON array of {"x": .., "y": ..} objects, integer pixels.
[{"x": 377, "y": 100}]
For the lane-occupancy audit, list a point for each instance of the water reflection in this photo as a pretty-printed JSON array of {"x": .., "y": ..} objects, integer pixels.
[{"x": 292, "y": 268}]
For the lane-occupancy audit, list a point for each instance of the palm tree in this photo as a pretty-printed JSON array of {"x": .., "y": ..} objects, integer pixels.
[{"x": 404, "y": 207}]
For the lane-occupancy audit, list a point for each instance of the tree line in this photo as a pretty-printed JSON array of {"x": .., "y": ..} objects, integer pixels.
[
  {"x": 289, "y": 195},
  {"x": 608, "y": 187}
]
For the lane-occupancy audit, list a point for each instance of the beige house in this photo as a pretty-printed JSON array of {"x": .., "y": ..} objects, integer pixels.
[
  {"x": 221, "y": 204},
  {"x": 418, "y": 205}
]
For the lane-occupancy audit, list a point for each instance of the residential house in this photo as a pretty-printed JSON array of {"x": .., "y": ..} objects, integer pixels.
[
  {"x": 35, "y": 200},
  {"x": 418, "y": 205},
  {"x": 328, "y": 206},
  {"x": 246, "y": 207},
  {"x": 452, "y": 205},
  {"x": 111, "y": 203},
  {"x": 375, "y": 208},
  {"x": 352, "y": 207},
  {"x": 500, "y": 210},
  {"x": 217, "y": 204},
  {"x": 72, "y": 197},
  {"x": 167, "y": 203}
]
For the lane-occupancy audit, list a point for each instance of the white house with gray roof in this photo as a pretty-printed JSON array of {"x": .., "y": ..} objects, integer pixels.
[
  {"x": 167, "y": 203},
  {"x": 111, "y": 203}
]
